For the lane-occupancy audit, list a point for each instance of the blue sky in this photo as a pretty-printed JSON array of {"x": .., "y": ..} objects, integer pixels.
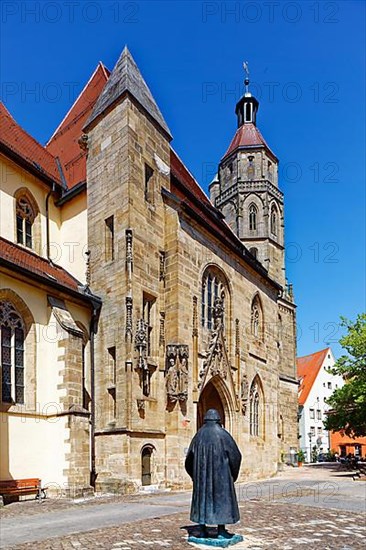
[{"x": 307, "y": 62}]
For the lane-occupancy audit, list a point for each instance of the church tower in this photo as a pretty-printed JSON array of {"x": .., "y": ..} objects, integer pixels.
[{"x": 246, "y": 190}]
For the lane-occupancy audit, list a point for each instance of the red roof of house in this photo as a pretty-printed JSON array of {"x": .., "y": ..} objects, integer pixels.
[
  {"x": 31, "y": 262},
  {"x": 64, "y": 142},
  {"x": 22, "y": 145},
  {"x": 308, "y": 368},
  {"x": 247, "y": 135}
]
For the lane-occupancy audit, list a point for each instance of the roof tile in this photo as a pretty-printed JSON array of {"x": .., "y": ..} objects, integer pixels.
[
  {"x": 65, "y": 141},
  {"x": 29, "y": 260},
  {"x": 14, "y": 138},
  {"x": 247, "y": 135}
]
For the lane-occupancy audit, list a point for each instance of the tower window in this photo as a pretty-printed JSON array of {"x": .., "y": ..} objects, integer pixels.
[
  {"x": 251, "y": 168},
  {"x": 248, "y": 112},
  {"x": 253, "y": 217},
  {"x": 25, "y": 217},
  {"x": 12, "y": 354},
  {"x": 149, "y": 188},
  {"x": 273, "y": 220},
  {"x": 109, "y": 238}
]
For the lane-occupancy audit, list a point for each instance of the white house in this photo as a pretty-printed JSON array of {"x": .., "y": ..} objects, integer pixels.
[{"x": 316, "y": 386}]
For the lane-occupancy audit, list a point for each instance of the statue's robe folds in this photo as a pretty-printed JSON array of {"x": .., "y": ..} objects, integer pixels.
[{"x": 213, "y": 462}]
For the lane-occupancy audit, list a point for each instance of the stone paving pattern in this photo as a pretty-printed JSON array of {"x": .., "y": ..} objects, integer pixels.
[{"x": 263, "y": 525}]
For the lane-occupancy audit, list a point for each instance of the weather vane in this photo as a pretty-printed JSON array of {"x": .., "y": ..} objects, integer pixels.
[{"x": 246, "y": 81}]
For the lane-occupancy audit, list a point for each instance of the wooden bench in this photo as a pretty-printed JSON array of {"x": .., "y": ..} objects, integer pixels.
[{"x": 19, "y": 487}]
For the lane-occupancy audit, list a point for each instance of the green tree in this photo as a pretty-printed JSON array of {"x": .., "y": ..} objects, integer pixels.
[{"x": 348, "y": 404}]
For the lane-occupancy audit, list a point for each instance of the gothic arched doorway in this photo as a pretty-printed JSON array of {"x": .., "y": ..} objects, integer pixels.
[{"x": 209, "y": 399}]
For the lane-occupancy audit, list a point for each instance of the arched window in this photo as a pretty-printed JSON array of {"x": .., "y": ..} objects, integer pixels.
[
  {"x": 273, "y": 220},
  {"x": 12, "y": 354},
  {"x": 257, "y": 318},
  {"x": 253, "y": 211},
  {"x": 213, "y": 287},
  {"x": 254, "y": 252},
  {"x": 256, "y": 408},
  {"x": 25, "y": 216}
]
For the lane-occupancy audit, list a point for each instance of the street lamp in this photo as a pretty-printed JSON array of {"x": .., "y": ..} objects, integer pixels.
[{"x": 310, "y": 435}]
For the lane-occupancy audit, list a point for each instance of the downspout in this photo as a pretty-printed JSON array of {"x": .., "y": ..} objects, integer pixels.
[
  {"x": 93, "y": 330},
  {"x": 48, "y": 221}
]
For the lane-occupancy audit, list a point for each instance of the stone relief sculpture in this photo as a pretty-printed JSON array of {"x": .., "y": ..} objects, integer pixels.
[
  {"x": 244, "y": 391},
  {"x": 177, "y": 372}
]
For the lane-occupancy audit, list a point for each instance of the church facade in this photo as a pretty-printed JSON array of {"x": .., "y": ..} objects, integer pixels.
[{"x": 132, "y": 303}]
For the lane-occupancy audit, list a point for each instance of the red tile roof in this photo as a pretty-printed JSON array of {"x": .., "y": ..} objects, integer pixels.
[
  {"x": 247, "y": 135},
  {"x": 182, "y": 173},
  {"x": 308, "y": 368},
  {"x": 64, "y": 142},
  {"x": 23, "y": 146},
  {"x": 31, "y": 262}
]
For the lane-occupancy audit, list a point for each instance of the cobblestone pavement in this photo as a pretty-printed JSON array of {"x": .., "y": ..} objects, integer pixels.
[
  {"x": 315, "y": 508},
  {"x": 263, "y": 525}
]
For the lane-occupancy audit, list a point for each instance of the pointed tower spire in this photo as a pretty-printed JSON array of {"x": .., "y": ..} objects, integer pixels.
[
  {"x": 247, "y": 107},
  {"x": 126, "y": 78}
]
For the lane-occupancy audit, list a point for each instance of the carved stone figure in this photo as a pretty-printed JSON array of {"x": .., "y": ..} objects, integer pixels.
[
  {"x": 213, "y": 462},
  {"x": 244, "y": 394},
  {"x": 141, "y": 347},
  {"x": 177, "y": 372}
]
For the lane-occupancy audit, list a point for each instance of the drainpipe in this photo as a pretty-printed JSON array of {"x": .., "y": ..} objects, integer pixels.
[
  {"x": 93, "y": 330},
  {"x": 48, "y": 221}
]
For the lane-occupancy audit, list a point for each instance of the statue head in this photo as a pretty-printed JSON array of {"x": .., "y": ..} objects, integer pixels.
[{"x": 212, "y": 415}]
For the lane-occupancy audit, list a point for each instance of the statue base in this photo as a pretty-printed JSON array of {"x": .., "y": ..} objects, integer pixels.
[{"x": 217, "y": 542}]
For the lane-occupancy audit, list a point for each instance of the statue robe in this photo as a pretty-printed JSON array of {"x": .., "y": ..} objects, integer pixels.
[{"x": 213, "y": 462}]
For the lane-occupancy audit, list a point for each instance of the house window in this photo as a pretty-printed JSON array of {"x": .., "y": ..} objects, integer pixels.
[
  {"x": 257, "y": 318},
  {"x": 329, "y": 385},
  {"x": 312, "y": 430},
  {"x": 255, "y": 409},
  {"x": 320, "y": 430},
  {"x": 12, "y": 354},
  {"x": 213, "y": 287},
  {"x": 109, "y": 238},
  {"x": 149, "y": 187},
  {"x": 273, "y": 220},
  {"x": 148, "y": 317},
  {"x": 319, "y": 414},
  {"x": 312, "y": 413},
  {"x": 253, "y": 211},
  {"x": 24, "y": 218}
]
